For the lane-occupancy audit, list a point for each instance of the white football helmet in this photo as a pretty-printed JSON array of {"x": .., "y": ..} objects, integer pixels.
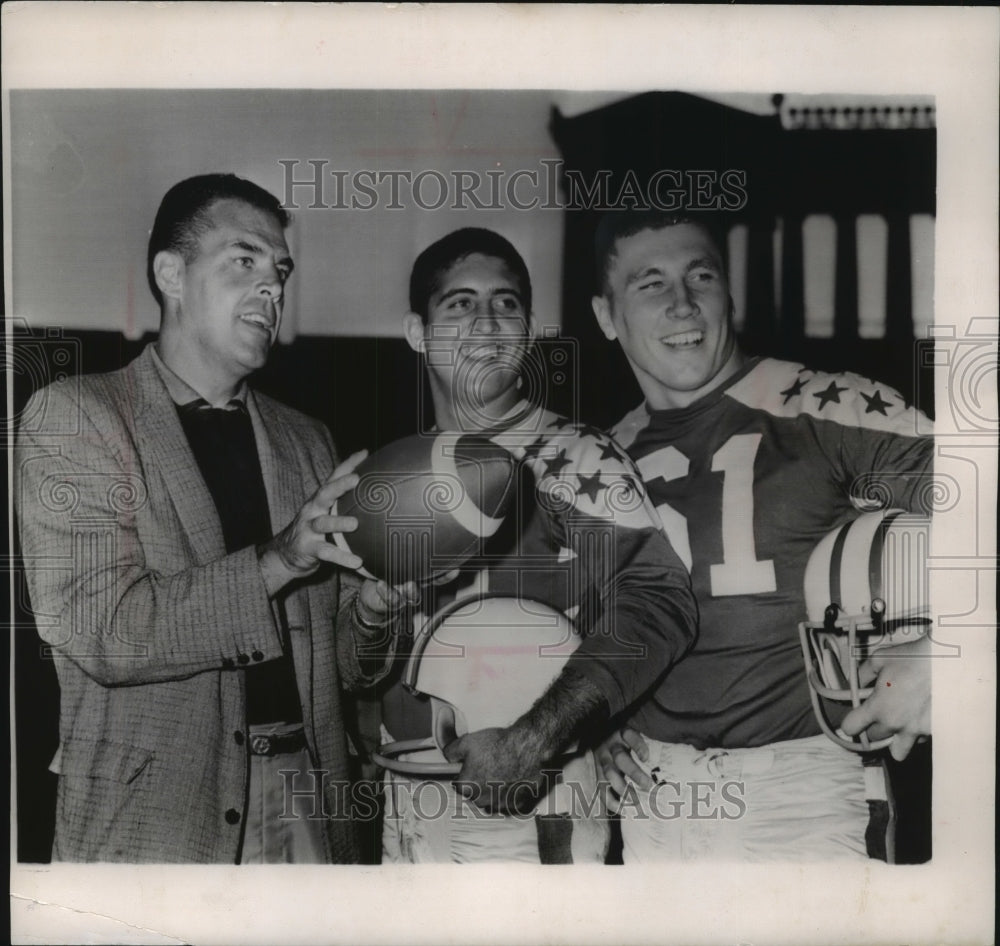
[
  {"x": 483, "y": 661},
  {"x": 865, "y": 588}
]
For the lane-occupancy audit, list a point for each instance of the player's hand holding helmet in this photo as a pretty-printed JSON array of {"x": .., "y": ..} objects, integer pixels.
[
  {"x": 864, "y": 641},
  {"x": 482, "y": 661}
]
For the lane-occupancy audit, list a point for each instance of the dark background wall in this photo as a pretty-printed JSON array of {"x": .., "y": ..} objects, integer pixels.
[{"x": 790, "y": 175}]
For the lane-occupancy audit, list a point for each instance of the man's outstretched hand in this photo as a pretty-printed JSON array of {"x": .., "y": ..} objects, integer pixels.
[{"x": 304, "y": 544}]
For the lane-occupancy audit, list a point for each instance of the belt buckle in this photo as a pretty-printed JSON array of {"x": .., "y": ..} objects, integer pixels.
[{"x": 261, "y": 744}]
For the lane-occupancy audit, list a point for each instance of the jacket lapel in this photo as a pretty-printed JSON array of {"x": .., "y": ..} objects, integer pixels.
[{"x": 164, "y": 450}]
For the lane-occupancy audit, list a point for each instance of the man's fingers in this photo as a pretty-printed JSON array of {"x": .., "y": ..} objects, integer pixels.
[
  {"x": 328, "y": 552},
  {"x": 636, "y": 743},
  {"x": 604, "y": 757},
  {"x": 347, "y": 466},
  {"x": 325, "y": 525},
  {"x": 878, "y": 731},
  {"x": 391, "y": 599},
  {"x": 617, "y": 764},
  {"x": 858, "y": 719},
  {"x": 334, "y": 488},
  {"x": 865, "y": 719},
  {"x": 630, "y": 768},
  {"x": 455, "y": 752},
  {"x": 615, "y": 779},
  {"x": 901, "y": 745},
  {"x": 378, "y": 596},
  {"x": 868, "y": 671},
  {"x": 410, "y": 592}
]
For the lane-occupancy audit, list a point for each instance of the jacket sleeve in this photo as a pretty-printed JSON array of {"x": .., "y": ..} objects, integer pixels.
[
  {"x": 647, "y": 620},
  {"x": 638, "y": 613},
  {"x": 86, "y": 524},
  {"x": 883, "y": 458},
  {"x": 363, "y": 657}
]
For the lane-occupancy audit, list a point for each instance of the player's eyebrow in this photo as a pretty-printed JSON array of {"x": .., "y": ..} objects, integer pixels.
[
  {"x": 704, "y": 262},
  {"x": 637, "y": 274},
  {"x": 460, "y": 290},
  {"x": 250, "y": 247},
  {"x": 247, "y": 245},
  {"x": 700, "y": 262}
]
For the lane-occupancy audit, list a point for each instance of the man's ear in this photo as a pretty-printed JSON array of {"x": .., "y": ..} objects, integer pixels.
[
  {"x": 602, "y": 311},
  {"x": 168, "y": 271},
  {"x": 532, "y": 326},
  {"x": 413, "y": 329}
]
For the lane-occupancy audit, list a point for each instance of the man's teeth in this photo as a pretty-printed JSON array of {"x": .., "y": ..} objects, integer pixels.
[
  {"x": 254, "y": 319},
  {"x": 684, "y": 338}
]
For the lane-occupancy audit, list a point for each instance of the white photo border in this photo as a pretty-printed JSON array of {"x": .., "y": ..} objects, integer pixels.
[{"x": 949, "y": 53}]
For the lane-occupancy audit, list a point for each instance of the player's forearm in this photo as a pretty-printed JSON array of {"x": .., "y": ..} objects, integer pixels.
[{"x": 558, "y": 716}]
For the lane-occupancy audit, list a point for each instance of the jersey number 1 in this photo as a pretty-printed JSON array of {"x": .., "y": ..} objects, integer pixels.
[{"x": 739, "y": 572}]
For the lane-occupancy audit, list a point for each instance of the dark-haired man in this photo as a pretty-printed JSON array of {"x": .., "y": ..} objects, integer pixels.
[
  {"x": 750, "y": 462},
  {"x": 583, "y": 540},
  {"x": 174, "y": 527}
]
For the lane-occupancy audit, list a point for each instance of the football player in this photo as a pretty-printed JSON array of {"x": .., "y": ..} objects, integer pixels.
[
  {"x": 583, "y": 539},
  {"x": 750, "y": 462}
]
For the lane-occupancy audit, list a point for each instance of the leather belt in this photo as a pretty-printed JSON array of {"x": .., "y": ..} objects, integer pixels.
[{"x": 277, "y": 743}]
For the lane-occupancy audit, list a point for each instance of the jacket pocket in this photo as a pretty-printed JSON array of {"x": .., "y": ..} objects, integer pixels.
[{"x": 105, "y": 759}]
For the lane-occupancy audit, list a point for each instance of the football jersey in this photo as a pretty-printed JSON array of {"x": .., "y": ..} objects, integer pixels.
[
  {"x": 582, "y": 538},
  {"x": 747, "y": 480}
]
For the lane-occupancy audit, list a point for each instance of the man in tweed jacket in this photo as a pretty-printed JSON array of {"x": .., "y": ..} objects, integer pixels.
[{"x": 153, "y": 625}]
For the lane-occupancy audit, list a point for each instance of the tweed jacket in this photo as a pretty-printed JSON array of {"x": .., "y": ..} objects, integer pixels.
[{"x": 148, "y": 620}]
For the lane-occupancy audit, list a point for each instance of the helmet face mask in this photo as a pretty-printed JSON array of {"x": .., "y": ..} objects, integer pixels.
[{"x": 865, "y": 589}]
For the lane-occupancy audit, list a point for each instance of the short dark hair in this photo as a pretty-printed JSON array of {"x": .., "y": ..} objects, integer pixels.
[
  {"x": 439, "y": 257},
  {"x": 183, "y": 216},
  {"x": 620, "y": 224}
]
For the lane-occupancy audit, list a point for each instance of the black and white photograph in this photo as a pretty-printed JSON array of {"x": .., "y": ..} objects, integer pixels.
[{"x": 500, "y": 474}]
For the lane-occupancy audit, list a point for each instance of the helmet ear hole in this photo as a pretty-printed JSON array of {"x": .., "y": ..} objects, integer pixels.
[
  {"x": 830, "y": 615},
  {"x": 445, "y": 724}
]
